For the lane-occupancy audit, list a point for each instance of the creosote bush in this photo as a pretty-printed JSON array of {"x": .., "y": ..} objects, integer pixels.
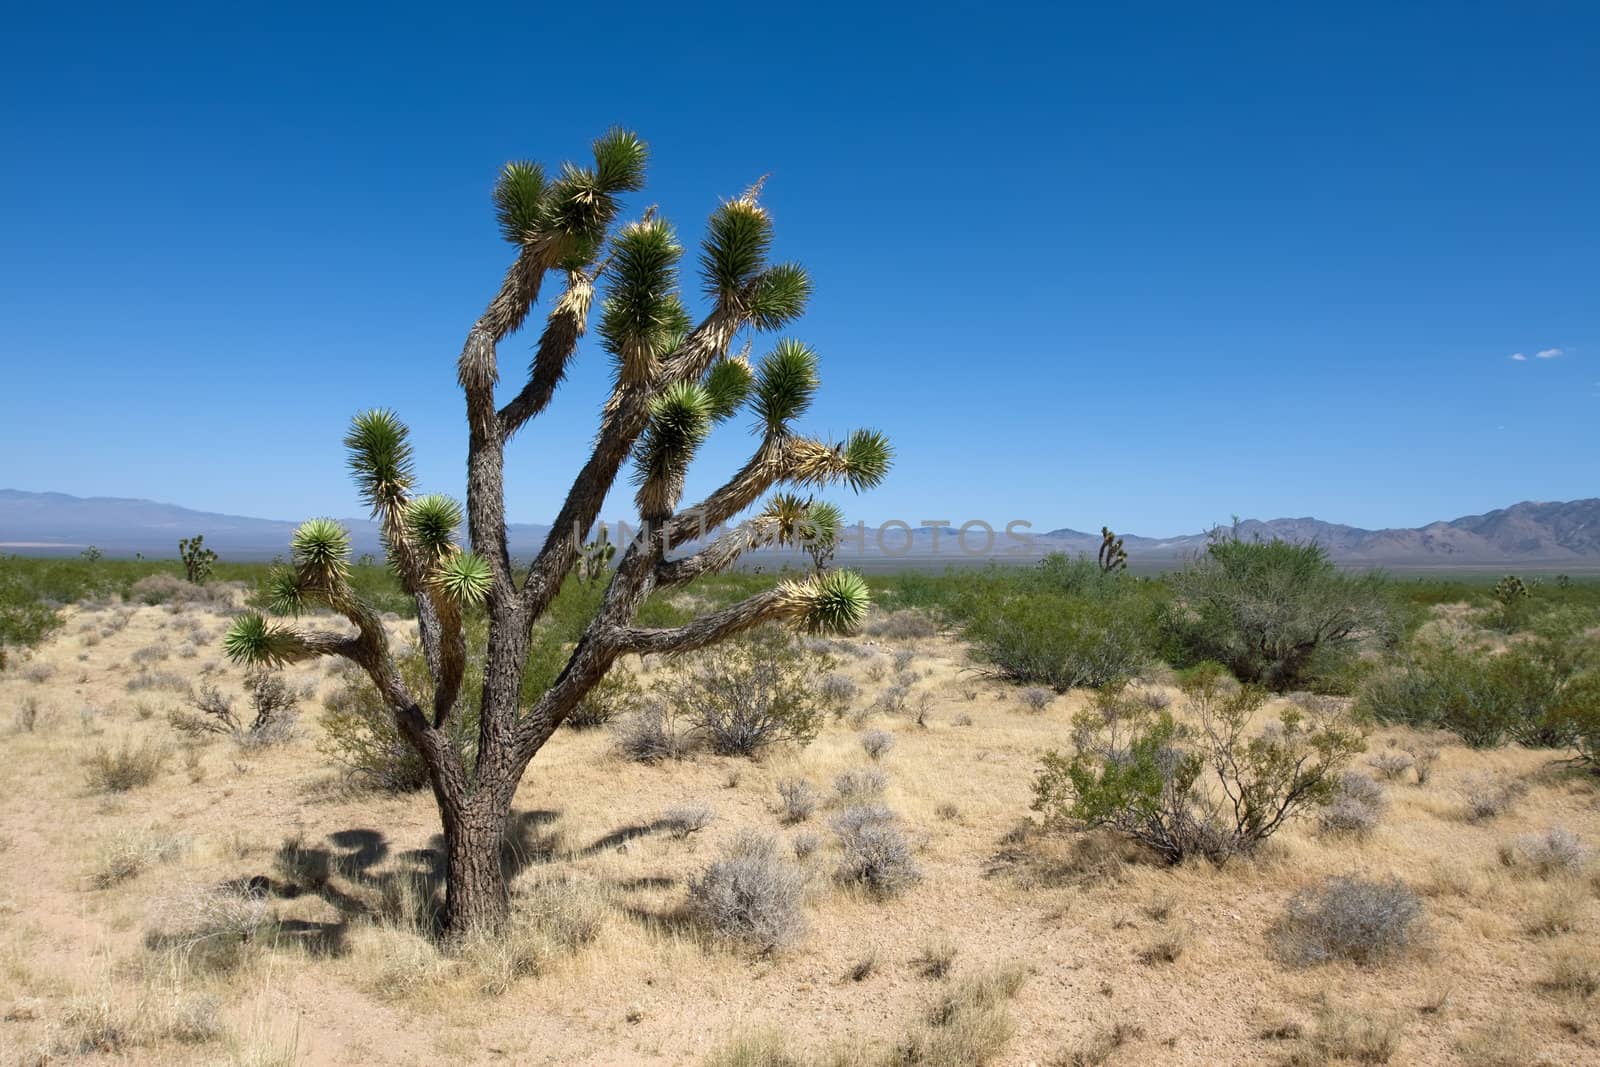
[
  {"x": 1352, "y": 919},
  {"x": 751, "y": 692},
  {"x": 1526, "y": 694},
  {"x": 1275, "y": 613},
  {"x": 750, "y": 894},
  {"x": 1215, "y": 789},
  {"x": 1094, "y": 632}
]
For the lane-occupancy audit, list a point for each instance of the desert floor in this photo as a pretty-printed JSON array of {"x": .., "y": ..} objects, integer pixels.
[{"x": 341, "y": 981}]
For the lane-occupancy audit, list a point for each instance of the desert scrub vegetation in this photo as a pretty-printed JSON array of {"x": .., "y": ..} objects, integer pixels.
[
  {"x": 1214, "y": 785},
  {"x": 1528, "y": 693},
  {"x": 1275, "y": 613},
  {"x": 753, "y": 691},
  {"x": 969, "y": 1024},
  {"x": 1343, "y": 918},
  {"x": 125, "y": 767},
  {"x": 874, "y": 852},
  {"x": 273, "y": 712},
  {"x": 750, "y": 894}
]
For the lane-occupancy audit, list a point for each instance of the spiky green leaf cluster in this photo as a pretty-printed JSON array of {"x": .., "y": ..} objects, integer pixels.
[
  {"x": 378, "y": 451},
  {"x": 835, "y": 603},
  {"x": 779, "y": 296},
  {"x": 738, "y": 238},
  {"x": 728, "y": 383},
  {"x": 825, "y": 519},
  {"x": 619, "y": 161},
  {"x": 285, "y": 593},
  {"x": 642, "y": 312},
  {"x": 569, "y": 215},
  {"x": 463, "y": 577},
  {"x": 432, "y": 522},
  {"x": 785, "y": 384},
  {"x": 321, "y": 546},
  {"x": 680, "y": 419},
  {"x": 519, "y": 200},
  {"x": 252, "y": 641},
  {"x": 868, "y": 457}
]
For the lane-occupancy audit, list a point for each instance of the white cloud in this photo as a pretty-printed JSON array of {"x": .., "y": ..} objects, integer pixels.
[
  {"x": 1519, "y": 357},
  {"x": 1550, "y": 353}
]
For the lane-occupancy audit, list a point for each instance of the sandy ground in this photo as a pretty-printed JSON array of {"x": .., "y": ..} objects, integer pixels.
[{"x": 78, "y": 980}]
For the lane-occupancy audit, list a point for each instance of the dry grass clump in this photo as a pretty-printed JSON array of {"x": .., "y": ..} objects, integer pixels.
[
  {"x": 1345, "y": 1034},
  {"x": 550, "y": 919},
  {"x": 1098, "y": 1049},
  {"x": 1557, "y": 910},
  {"x": 750, "y": 894},
  {"x": 686, "y": 819},
  {"x": 649, "y": 735},
  {"x": 1349, "y": 919},
  {"x": 1036, "y": 697},
  {"x": 797, "y": 799},
  {"x": 131, "y": 854},
  {"x": 1357, "y": 804},
  {"x": 874, "y": 853},
  {"x": 168, "y": 680},
  {"x": 126, "y": 767},
  {"x": 908, "y": 625},
  {"x": 37, "y": 673},
  {"x": 1166, "y": 947},
  {"x": 968, "y": 1026},
  {"x": 1557, "y": 851},
  {"x": 877, "y": 743},
  {"x": 211, "y": 928},
  {"x": 1392, "y": 764},
  {"x": 936, "y": 957},
  {"x": 1575, "y": 970},
  {"x": 27, "y": 716},
  {"x": 1488, "y": 797},
  {"x": 861, "y": 783},
  {"x": 1503, "y": 1042}
]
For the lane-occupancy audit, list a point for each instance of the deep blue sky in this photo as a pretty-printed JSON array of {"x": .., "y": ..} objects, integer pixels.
[{"x": 1143, "y": 264}]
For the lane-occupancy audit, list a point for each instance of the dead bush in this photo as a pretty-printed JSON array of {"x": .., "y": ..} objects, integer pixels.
[
  {"x": 797, "y": 799},
  {"x": 1349, "y": 919},
  {"x": 750, "y": 894},
  {"x": 1357, "y": 804},
  {"x": 874, "y": 852}
]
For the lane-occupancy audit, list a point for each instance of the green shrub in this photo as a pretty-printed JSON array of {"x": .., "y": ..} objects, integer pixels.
[
  {"x": 1213, "y": 788},
  {"x": 1577, "y": 711},
  {"x": 1275, "y": 613},
  {"x": 1483, "y": 697},
  {"x": 359, "y": 730},
  {"x": 751, "y": 692},
  {"x": 1064, "y": 642}
]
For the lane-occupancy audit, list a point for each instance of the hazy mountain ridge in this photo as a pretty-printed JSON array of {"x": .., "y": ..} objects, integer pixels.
[{"x": 1529, "y": 532}]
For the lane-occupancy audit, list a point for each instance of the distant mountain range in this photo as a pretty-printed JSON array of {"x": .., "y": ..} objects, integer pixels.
[{"x": 1530, "y": 533}]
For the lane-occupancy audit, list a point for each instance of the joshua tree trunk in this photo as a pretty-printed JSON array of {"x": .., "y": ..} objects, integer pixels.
[{"x": 674, "y": 380}]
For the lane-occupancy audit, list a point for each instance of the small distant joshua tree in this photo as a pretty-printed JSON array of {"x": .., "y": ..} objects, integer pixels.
[
  {"x": 197, "y": 559},
  {"x": 672, "y": 380},
  {"x": 92, "y": 554},
  {"x": 1112, "y": 556},
  {"x": 595, "y": 556}
]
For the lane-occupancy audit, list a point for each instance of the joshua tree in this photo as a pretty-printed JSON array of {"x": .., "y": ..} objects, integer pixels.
[
  {"x": 1113, "y": 557},
  {"x": 673, "y": 378},
  {"x": 596, "y": 556},
  {"x": 197, "y": 560}
]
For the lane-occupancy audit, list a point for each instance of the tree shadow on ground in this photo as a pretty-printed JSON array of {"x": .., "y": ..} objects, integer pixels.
[{"x": 359, "y": 875}]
